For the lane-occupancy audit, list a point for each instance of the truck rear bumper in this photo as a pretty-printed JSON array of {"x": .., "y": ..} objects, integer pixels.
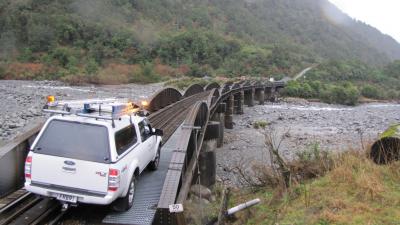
[{"x": 105, "y": 199}]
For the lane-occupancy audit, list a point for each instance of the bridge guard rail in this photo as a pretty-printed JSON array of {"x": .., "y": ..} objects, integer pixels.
[
  {"x": 12, "y": 156},
  {"x": 182, "y": 165}
]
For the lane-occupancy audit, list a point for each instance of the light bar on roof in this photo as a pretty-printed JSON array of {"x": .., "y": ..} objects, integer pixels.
[{"x": 123, "y": 109}]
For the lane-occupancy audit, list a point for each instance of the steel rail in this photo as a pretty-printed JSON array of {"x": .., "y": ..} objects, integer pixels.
[
  {"x": 15, "y": 202},
  {"x": 20, "y": 211},
  {"x": 169, "y": 118},
  {"x": 37, "y": 213}
]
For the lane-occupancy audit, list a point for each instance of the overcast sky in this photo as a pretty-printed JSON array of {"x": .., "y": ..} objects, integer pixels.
[{"x": 382, "y": 14}]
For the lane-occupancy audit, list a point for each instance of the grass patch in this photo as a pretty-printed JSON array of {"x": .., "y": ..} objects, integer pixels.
[
  {"x": 354, "y": 191},
  {"x": 260, "y": 124},
  {"x": 391, "y": 131}
]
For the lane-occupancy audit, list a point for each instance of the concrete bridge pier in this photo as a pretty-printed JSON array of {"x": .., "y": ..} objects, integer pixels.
[
  {"x": 260, "y": 96},
  {"x": 256, "y": 94},
  {"x": 274, "y": 95},
  {"x": 277, "y": 93},
  {"x": 239, "y": 102},
  {"x": 219, "y": 116},
  {"x": 229, "y": 112},
  {"x": 207, "y": 158},
  {"x": 207, "y": 164},
  {"x": 249, "y": 97},
  {"x": 268, "y": 94},
  {"x": 220, "y": 140}
]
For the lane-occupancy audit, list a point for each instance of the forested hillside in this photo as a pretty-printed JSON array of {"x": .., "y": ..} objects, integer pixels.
[{"x": 118, "y": 41}]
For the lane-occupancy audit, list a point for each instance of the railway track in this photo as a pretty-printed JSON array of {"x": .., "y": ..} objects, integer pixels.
[
  {"x": 171, "y": 117},
  {"x": 12, "y": 199},
  {"x": 23, "y": 208},
  {"x": 26, "y": 208}
]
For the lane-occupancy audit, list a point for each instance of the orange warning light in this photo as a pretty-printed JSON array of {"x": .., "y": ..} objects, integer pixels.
[{"x": 50, "y": 99}]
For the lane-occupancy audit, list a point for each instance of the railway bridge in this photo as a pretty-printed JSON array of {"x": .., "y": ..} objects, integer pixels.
[{"x": 193, "y": 123}]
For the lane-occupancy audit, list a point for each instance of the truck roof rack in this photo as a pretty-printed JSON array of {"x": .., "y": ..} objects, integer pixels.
[{"x": 105, "y": 109}]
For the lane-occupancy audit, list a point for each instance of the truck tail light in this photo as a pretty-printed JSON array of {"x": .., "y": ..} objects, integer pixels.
[
  {"x": 28, "y": 167},
  {"x": 113, "y": 180}
]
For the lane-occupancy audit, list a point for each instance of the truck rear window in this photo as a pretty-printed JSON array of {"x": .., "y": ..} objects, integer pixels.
[{"x": 75, "y": 140}]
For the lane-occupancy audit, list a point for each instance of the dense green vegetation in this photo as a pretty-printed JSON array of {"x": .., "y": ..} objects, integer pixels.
[
  {"x": 345, "y": 81},
  {"x": 120, "y": 41},
  {"x": 79, "y": 40}
]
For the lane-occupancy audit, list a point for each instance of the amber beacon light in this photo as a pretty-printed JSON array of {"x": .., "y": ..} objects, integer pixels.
[{"x": 51, "y": 99}]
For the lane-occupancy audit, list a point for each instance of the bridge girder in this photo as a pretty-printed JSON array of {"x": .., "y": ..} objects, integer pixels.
[
  {"x": 163, "y": 98},
  {"x": 211, "y": 86},
  {"x": 193, "y": 89}
]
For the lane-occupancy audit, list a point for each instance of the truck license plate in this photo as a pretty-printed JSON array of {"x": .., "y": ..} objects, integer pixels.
[{"x": 66, "y": 198}]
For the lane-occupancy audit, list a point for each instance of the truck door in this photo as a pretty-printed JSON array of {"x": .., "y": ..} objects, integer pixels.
[{"x": 148, "y": 140}]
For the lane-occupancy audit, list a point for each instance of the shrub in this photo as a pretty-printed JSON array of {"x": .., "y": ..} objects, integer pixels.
[
  {"x": 24, "y": 71},
  {"x": 63, "y": 56},
  {"x": 194, "y": 46},
  {"x": 392, "y": 94},
  {"x": 311, "y": 163},
  {"x": 346, "y": 94},
  {"x": 199, "y": 71},
  {"x": 279, "y": 76},
  {"x": 260, "y": 124},
  {"x": 2, "y": 72},
  {"x": 40, "y": 37},
  {"x": 91, "y": 66},
  {"x": 26, "y": 55},
  {"x": 145, "y": 75},
  {"x": 165, "y": 70},
  {"x": 114, "y": 73},
  {"x": 302, "y": 89},
  {"x": 370, "y": 91}
]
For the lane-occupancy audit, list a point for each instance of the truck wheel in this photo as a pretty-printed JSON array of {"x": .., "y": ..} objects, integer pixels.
[
  {"x": 125, "y": 203},
  {"x": 154, "y": 164}
]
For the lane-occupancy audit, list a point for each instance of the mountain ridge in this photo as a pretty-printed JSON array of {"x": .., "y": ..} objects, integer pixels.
[{"x": 194, "y": 37}]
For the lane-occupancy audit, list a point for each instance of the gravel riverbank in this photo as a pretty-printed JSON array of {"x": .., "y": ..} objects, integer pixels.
[
  {"x": 22, "y": 101},
  {"x": 302, "y": 124},
  {"x": 332, "y": 127}
]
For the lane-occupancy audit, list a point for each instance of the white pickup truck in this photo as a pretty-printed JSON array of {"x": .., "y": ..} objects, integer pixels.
[{"x": 86, "y": 157}]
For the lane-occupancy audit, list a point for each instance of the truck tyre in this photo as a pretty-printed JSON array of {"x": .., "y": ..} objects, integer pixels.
[
  {"x": 153, "y": 165},
  {"x": 125, "y": 203}
]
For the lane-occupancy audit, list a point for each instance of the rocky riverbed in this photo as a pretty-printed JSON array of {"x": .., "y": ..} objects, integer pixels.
[
  {"x": 22, "y": 101},
  {"x": 302, "y": 125}
]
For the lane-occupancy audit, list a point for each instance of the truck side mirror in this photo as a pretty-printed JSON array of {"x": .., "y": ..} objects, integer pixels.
[{"x": 158, "y": 132}]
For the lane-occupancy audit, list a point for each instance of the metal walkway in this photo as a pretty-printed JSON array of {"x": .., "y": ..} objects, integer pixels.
[{"x": 148, "y": 190}]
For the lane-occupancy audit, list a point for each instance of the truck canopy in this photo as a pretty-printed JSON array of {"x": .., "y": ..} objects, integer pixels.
[{"x": 75, "y": 140}]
